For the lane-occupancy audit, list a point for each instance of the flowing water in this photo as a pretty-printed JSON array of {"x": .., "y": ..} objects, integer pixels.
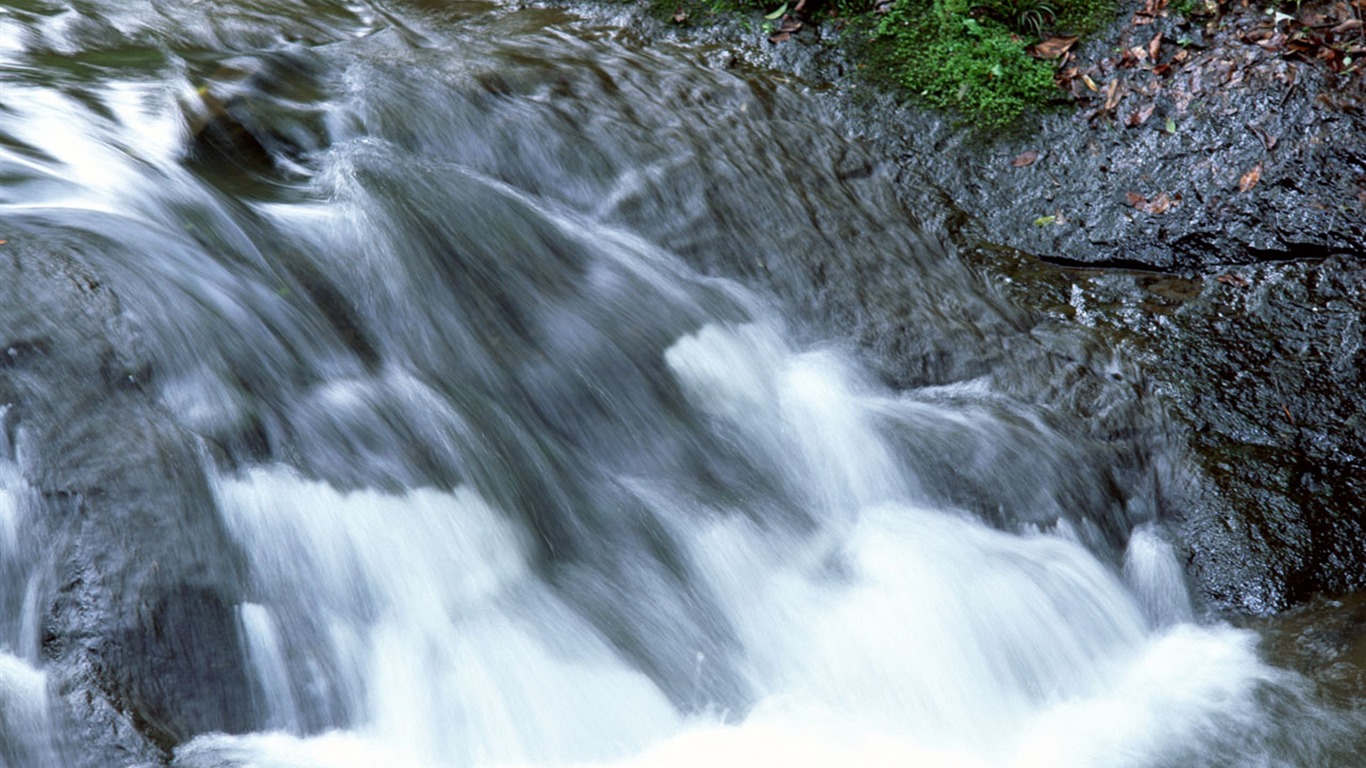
[{"x": 429, "y": 384}]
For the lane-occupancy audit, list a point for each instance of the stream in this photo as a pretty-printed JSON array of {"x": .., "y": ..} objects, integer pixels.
[{"x": 443, "y": 384}]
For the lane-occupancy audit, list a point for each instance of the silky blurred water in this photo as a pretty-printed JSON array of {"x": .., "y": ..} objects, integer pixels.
[{"x": 488, "y": 328}]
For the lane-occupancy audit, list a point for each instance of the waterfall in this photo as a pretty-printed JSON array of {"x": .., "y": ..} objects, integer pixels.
[{"x": 453, "y": 386}]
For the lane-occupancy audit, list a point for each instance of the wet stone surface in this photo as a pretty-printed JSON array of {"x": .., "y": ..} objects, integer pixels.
[
  {"x": 1221, "y": 149},
  {"x": 1261, "y": 370}
]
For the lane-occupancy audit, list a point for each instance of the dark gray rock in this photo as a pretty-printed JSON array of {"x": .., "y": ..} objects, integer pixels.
[{"x": 138, "y": 627}]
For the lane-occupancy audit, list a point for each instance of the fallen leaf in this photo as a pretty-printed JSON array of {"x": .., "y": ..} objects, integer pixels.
[
  {"x": 1139, "y": 53},
  {"x": 1347, "y": 26},
  {"x": 680, "y": 16},
  {"x": 790, "y": 25},
  {"x": 1044, "y": 221},
  {"x": 776, "y": 14},
  {"x": 779, "y": 37},
  {"x": 1052, "y": 48},
  {"x": 1250, "y": 179},
  {"x": 1156, "y": 206},
  {"x": 1112, "y": 95},
  {"x": 1026, "y": 158},
  {"x": 1089, "y": 82},
  {"x": 1140, "y": 116},
  {"x": 1234, "y": 280},
  {"x": 1154, "y": 46},
  {"x": 1268, "y": 140},
  {"x": 1171, "y": 126},
  {"x": 3, "y": 242}
]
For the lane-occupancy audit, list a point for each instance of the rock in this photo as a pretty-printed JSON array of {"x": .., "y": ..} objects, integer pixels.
[{"x": 138, "y": 625}]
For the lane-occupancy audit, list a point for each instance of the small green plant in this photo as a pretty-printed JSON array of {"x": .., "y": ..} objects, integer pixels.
[{"x": 1029, "y": 16}]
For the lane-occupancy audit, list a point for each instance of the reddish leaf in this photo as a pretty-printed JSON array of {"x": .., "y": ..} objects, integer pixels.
[
  {"x": 779, "y": 37},
  {"x": 1026, "y": 158},
  {"x": 1154, "y": 46},
  {"x": 1052, "y": 48},
  {"x": 1234, "y": 280},
  {"x": 1156, "y": 206},
  {"x": 1250, "y": 179},
  {"x": 1140, "y": 116}
]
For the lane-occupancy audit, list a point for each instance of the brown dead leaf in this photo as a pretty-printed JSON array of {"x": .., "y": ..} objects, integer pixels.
[
  {"x": 1052, "y": 48},
  {"x": 1112, "y": 95},
  {"x": 1250, "y": 179},
  {"x": 1025, "y": 159},
  {"x": 1140, "y": 116},
  {"x": 1347, "y": 26},
  {"x": 1138, "y": 52},
  {"x": 779, "y": 37},
  {"x": 1154, "y": 47},
  {"x": 1156, "y": 206},
  {"x": 1091, "y": 84},
  {"x": 1234, "y": 280}
]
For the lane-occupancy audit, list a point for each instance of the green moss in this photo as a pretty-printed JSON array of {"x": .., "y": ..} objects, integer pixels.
[
  {"x": 967, "y": 56},
  {"x": 955, "y": 59}
]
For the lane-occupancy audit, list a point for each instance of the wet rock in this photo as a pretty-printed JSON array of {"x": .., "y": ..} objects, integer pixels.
[
  {"x": 1259, "y": 369},
  {"x": 137, "y": 624},
  {"x": 258, "y": 117},
  {"x": 1272, "y": 361},
  {"x": 1256, "y": 152}
]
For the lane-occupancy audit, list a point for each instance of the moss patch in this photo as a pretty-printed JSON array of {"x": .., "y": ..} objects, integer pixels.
[
  {"x": 970, "y": 56},
  {"x": 966, "y": 56}
]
